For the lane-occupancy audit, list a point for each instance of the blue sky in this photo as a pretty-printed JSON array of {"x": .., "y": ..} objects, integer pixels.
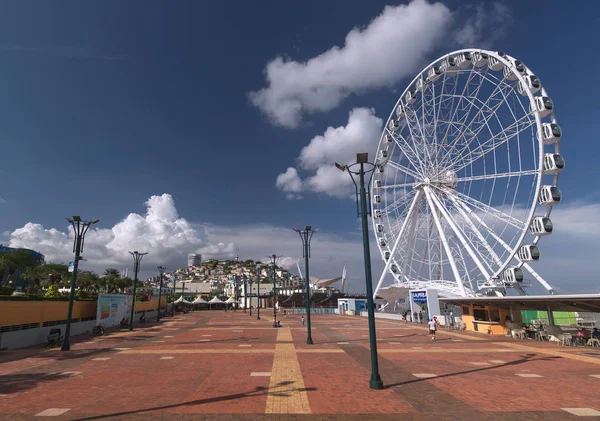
[{"x": 105, "y": 104}]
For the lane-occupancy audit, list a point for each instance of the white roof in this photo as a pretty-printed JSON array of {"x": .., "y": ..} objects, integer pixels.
[
  {"x": 182, "y": 300},
  {"x": 199, "y": 300},
  {"x": 230, "y": 300},
  {"x": 215, "y": 300}
]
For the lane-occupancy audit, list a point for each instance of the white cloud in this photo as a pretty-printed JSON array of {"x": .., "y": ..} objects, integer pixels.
[
  {"x": 290, "y": 182},
  {"x": 393, "y": 46},
  {"x": 485, "y": 26},
  {"x": 3, "y": 201},
  {"x": 339, "y": 144}
]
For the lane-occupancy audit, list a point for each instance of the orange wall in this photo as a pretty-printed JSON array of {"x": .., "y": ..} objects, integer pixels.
[
  {"x": 483, "y": 328},
  {"x": 22, "y": 312}
]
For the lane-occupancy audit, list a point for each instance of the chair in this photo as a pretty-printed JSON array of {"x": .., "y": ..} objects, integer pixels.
[{"x": 565, "y": 339}]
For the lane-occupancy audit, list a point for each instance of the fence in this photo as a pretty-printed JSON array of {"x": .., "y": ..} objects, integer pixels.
[{"x": 302, "y": 310}]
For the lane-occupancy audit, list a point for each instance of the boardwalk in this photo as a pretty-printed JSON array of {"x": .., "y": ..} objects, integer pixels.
[{"x": 229, "y": 366}]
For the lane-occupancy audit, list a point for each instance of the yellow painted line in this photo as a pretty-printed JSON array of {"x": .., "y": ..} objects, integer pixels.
[
  {"x": 199, "y": 351},
  {"x": 546, "y": 351},
  {"x": 444, "y": 350},
  {"x": 287, "y": 394}
]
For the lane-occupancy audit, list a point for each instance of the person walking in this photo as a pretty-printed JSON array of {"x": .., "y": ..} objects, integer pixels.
[
  {"x": 415, "y": 317},
  {"x": 420, "y": 317},
  {"x": 302, "y": 320},
  {"x": 432, "y": 328}
]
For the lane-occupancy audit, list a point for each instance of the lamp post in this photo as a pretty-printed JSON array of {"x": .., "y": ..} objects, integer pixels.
[
  {"x": 137, "y": 258},
  {"x": 161, "y": 271},
  {"x": 274, "y": 258},
  {"x": 80, "y": 228},
  {"x": 306, "y": 235},
  {"x": 258, "y": 293},
  {"x": 245, "y": 292},
  {"x": 361, "y": 160},
  {"x": 250, "y": 296}
]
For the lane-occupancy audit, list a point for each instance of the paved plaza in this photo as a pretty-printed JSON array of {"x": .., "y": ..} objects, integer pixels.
[{"x": 212, "y": 365}]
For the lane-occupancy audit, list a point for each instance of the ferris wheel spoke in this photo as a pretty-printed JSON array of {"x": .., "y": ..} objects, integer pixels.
[
  {"x": 400, "y": 186},
  {"x": 445, "y": 244},
  {"x": 413, "y": 149},
  {"x": 400, "y": 201},
  {"x": 491, "y": 144},
  {"x": 493, "y": 212},
  {"x": 403, "y": 169},
  {"x": 406, "y": 149},
  {"x": 495, "y": 176},
  {"x": 482, "y": 108},
  {"x": 459, "y": 233}
]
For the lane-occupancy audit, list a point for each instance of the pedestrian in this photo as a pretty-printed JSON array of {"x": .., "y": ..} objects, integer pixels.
[
  {"x": 302, "y": 320},
  {"x": 420, "y": 317},
  {"x": 415, "y": 317},
  {"x": 432, "y": 328}
]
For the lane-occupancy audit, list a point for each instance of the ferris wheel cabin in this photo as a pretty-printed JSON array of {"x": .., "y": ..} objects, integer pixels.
[
  {"x": 551, "y": 132},
  {"x": 433, "y": 73},
  {"x": 394, "y": 125},
  {"x": 543, "y": 106},
  {"x": 449, "y": 64},
  {"x": 532, "y": 83},
  {"x": 394, "y": 268},
  {"x": 541, "y": 225},
  {"x": 513, "y": 274},
  {"x": 550, "y": 195},
  {"x": 463, "y": 60},
  {"x": 410, "y": 97},
  {"x": 377, "y": 198},
  {"x": 383, "y": 154},
  {"x": 495, "y": 63},
  {"x": 553, "y": 163},
  {"x": 378, "y": 184},
  {"x": 400, "y": 110},
  {"x": 509, "y": 72},
  {"x": 387, "y": 255},
  {"x": 380, "y": 228},
  {"x": 529, "y": 253},
  {"x": 420, "y": 84},
  {"x": 382, "y": 242},
  {"x": 377, "y": 213},
  {"x": 480, "y": 59}
]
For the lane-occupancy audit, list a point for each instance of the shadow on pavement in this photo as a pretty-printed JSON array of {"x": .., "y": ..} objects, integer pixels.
[
  {"x": 17, "y": 383},
  {"x": 524, "y": 359},
  {"x": 280, "y": 390}
]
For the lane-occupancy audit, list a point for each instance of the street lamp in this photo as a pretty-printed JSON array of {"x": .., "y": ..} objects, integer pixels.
[
  {"x": 80, "y": 228},
  {"x": 245, "y": 291},
  {"x": 161, "y": 271},
  {"x": 137, "y": 258},
  {"x": 274, "y": 258},
  {"x": 361, "y": 160},
  {"x": 306, "y": 235},
  {"x": 258, "y": 293}
]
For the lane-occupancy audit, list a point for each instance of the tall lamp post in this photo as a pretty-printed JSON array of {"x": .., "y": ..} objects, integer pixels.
[
  {"x": 258, "y": 293},
  {"x": 306, "y": 235},
  {"x": 80, "y": 228},
  {"x": 361, "y": 160},
  {"x": 245, "y": 292},
  {"x": 274, "y": 258},
  {"x": 161, "y": 271},
  {"x": 137, "y": 258},
  {"x": 250, "y": 295}
]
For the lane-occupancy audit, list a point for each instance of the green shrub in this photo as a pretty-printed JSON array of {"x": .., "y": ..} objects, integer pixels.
[
  {"x": 52, "y": 292},
  {"x": 6, "y": 290}
]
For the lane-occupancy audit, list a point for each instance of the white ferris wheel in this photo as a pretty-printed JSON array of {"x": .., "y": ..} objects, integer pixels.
[{"x": 466, "y": 177}]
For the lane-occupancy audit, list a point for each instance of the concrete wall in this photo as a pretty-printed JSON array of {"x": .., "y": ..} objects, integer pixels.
[
  {"x": 25, "y": 312},
  {"x": 29, "y": 337},
  {"x": 383, "y": 315}
]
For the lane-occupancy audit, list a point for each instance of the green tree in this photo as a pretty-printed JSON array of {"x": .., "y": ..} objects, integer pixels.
[
  {"x": 52, "y": 292},
  {"x": 111, "y": 277},
  {"x": 87, "y": 281},
  {"x": 15, "y": 261},
  {"x": 54, "y": 273}
]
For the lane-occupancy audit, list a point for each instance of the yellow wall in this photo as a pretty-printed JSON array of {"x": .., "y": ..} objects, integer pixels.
[
  {"x": 150, "y": 305},
  {"x": 497, "y": 329},
  {"x": 23, "y": 312}
]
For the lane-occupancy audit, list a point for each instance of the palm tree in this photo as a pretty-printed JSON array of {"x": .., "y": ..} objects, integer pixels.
[
  {"x": 111, "y": 277},
  {"x": 52, "y": 272}
]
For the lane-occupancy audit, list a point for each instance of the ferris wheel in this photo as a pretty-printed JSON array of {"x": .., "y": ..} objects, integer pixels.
[{"x": 466, "y": 177}]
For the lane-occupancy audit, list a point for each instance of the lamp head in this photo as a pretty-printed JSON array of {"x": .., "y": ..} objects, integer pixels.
[
  {"x": 340, "y": 167},
  {"x": 362, "y": 158},
  {"x": 77, "y": 218},
  {"x": 308, "y": 228},
  {"x": 95, "y": 221},
  {"x": 296, "y": 229}
]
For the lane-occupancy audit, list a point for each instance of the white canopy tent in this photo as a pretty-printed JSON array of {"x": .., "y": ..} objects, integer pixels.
[
  {"x": 199, "y": 300},
  {"x": 182, "y": 300},
  {"x": 216, "y": 300},
  {"x": 230, "y": 300}
]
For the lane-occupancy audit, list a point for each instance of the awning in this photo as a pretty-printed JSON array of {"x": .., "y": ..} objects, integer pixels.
[
  {"x": 215, "y": 300},
  {"x": 182, "y": 300},
  {"x": 230, "y": 300},
  {"x": 574, "y": 302},
  {"x": 199, "y": 300}
]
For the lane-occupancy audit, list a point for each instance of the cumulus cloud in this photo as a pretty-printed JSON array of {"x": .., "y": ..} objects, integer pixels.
[
  {"x": 484, "y": 26},
  {"x": 161, "y": 232},
  {"x": 336, "y": 144},
  {"x": 391, "y": 47}
]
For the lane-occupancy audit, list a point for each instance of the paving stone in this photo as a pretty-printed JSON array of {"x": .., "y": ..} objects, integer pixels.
[{"x": 582, "y": 412}]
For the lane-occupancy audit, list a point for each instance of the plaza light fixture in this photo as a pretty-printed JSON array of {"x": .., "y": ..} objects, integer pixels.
[
  {"x": 362, "y": 159},
  {"x": 306, "y": 235},
  {"x": 137, "y": 258},
  {"x": 161, "y": 271},
  {"x": 80, "y": 228}
]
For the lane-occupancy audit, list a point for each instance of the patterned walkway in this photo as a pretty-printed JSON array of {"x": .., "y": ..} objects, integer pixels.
[{"x": 229, "y": 366}]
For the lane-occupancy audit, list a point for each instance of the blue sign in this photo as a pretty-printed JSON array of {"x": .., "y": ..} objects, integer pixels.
[{"x": 419, "y": 297}]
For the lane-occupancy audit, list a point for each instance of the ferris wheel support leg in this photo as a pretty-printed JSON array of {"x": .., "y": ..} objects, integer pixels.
[
  {"x": 436, "y": 218},
  {"x": 536, "y": 275},
  {"x": 459, "y": 234},
  {"x": 410, "y": 246},
  {"x": 388, "y": 263}
]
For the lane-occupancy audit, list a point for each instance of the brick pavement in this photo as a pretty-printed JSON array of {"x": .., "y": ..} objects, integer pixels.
[{"x": 212, "y": 365}]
